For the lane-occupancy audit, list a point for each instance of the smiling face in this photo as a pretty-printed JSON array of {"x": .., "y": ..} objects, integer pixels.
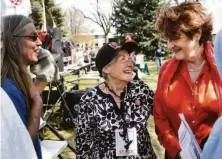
[
  {"x": 31, "y": 46},
  {"x": 121, "y": 68},
  {"x": 184, "y": 48}
]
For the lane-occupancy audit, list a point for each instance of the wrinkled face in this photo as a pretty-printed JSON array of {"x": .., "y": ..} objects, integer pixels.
[
  {"x": 31, "y": 44},
  {"x": 184, "y": 48},
  {"x": 121, "y": 68}
]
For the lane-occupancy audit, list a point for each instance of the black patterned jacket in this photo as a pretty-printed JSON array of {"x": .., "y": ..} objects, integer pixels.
[{"x": 99, "y": 117}]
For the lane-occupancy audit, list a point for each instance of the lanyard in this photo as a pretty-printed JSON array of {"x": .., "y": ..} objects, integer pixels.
[{"x": 122, "y": 111}]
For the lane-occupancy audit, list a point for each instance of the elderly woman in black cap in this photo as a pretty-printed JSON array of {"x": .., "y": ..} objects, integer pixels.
[{"x": 112, "y": 117}]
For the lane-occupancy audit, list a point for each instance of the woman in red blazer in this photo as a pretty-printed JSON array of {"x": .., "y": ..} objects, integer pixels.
[{"x": 189, "y": 83}]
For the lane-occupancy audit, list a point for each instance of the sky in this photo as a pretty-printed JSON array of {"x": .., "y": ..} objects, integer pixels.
[
  {"x": 213, "y": 6},
  {"x": 83, "y": 4},
  {"x": 87, "y": 6}
]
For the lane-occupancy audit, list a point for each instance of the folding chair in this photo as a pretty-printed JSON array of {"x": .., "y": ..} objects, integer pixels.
[
  {"x": 57, "y": 53},
  {"x": 53, "y": 148},
  {"x": 44, "y": 123}
]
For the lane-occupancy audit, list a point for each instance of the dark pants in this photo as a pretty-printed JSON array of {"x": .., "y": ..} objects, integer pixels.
[{"x": 158, "y": 63}]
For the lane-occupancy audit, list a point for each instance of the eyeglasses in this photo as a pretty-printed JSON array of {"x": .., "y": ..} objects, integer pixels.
[{"x": 31, "y": 37}]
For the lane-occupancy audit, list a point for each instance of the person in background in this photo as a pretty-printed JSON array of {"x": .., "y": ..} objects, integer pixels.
[
  {"x": 158, "y": 57},
  {"x": 86, "y": 55},
  {"x": 189, "y": 83},
  {"x": 112, "y": 121},
  {"x": 66, "y": 53},
  {"x": 133, "y": 57},
  {"x": 136, "y": 69},
  {"x": 20, "y": 48},
  {"x": 213, "y": 146},
  {"x": 128, "y": 37},
  {"x": 92, "y": 53}
]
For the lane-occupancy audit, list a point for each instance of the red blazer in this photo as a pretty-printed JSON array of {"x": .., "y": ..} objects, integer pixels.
[{"x": 199, "y": 103}]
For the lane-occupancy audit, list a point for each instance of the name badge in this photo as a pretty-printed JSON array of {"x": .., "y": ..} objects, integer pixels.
[{"x": 129, "y": 147}]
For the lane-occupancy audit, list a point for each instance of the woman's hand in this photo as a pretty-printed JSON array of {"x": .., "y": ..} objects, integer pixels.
[{"x": 35, "y": 113}]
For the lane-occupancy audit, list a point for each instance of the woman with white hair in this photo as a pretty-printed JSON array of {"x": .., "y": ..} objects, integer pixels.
[{"x": 112, "y": 121}]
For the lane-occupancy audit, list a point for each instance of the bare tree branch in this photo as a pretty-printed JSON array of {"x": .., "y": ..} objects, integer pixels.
[
  {"x": 75, "y": 21},
  {"x": 103, "y": 25},
  {"x": 100, "y": 18}
]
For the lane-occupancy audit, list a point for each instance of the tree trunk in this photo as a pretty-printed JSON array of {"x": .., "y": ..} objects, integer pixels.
[{"x": 106, "y": 40}]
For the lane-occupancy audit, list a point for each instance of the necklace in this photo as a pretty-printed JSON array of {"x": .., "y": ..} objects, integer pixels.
[
  {"x": 112, "y": 90},
  {"x": 197, "y": 69}
]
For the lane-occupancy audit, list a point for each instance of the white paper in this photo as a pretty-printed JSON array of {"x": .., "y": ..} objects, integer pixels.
[
  {"x": 190, "y": 149},
  {"x": 121, "y": 144}
]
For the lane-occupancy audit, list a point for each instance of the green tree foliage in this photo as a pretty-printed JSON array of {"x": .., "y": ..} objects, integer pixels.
[
  {"x": 53, "y": 12},
  {"x": 37, "y": 13},
  {"x": 137, "y": 17}
]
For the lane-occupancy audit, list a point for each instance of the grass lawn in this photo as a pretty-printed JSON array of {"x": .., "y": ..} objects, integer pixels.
[{"x": 150, "y": 80}]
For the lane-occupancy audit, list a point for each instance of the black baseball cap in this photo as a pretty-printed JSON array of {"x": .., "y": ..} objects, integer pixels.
[{"x": 110, "y": 50}]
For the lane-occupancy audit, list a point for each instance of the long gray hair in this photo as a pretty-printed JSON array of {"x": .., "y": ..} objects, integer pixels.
[{"x": 12, "y": 63}]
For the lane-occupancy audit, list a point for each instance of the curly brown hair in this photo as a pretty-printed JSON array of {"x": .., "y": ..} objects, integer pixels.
[{"x": 188, "y": 18}]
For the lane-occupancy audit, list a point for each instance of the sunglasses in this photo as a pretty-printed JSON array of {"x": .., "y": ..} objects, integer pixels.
[{"x": 30, "y": 37}]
